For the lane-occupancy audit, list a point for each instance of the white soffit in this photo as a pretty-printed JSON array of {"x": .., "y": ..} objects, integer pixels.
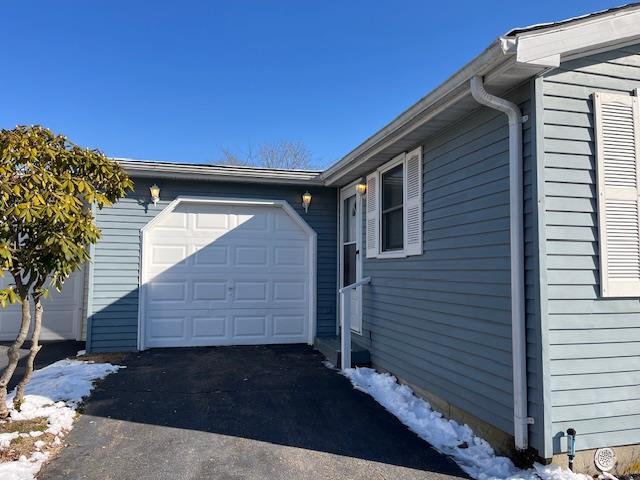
[
  {"x": 507, "y": 63},
  {"x": 548, "y": 46}
]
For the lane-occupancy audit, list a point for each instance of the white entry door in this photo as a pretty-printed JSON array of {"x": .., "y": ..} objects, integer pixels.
[
  {"x": 350, "y": 246},
  {"x": 219, "y": 274},
  {"x": 62, "y": 311}
]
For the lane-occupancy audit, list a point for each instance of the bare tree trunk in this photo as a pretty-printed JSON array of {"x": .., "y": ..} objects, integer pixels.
[
  {"x": 35, "y": 348},
  {"x": 14, "y": 355}
]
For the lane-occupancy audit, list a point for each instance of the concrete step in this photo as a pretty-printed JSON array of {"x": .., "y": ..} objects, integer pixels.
[{"x": 330, "y": 348}]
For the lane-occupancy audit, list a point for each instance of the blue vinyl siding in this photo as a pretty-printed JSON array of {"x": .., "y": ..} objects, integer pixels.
[
  {"x": 114, "y": 304},
  {"x": 442, "y": 320},
  {"x": 593, "y": 343}
]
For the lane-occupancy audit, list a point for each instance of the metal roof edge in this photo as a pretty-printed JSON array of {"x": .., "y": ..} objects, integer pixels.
[
  {"x": 146, "y": 168},
  {"x": 493, "y": 59}
]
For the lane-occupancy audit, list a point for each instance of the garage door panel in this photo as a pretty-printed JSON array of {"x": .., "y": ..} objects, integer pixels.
[
  {"x": 251, "y": 291},
  {"x": 210, "y": 327},
  {"x": 163, "y": 255},
  {"x": 206, "y": 221},
  {"x": 176, "y": 221},
  {"x": 285, "y": 326},
  {"x": 285, "y": 291},
  {"x": 284, "y": 223},
  {"x": 165, "y": 291},
  {"x": 210, "y": 291},
  {"x": 254, "y": 222},
  {"x": 10, "y": 322},
  {"x": 169, "y": 327},
  {"x": 249, "y": 326},
  {"x": 62, "y": 311},
  {"x": 239, "y": 276},
  {"x": 290, "y": 256},
  {"x": 251, "y": 256},
  {"x": 211, "y": 255}
]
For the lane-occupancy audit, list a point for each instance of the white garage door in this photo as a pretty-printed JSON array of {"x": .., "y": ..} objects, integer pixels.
[
  {"x": 219, "y": 274},
  {"x": 62, "y": 311}
]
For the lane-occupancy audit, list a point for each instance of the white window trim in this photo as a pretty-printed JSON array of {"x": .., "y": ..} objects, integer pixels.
[
  {"x": 394, "y": 162},
  {"x": 408, "y": 250}
]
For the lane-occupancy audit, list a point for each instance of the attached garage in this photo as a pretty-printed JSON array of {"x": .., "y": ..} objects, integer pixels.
[
  {"x": 219, "y": 271},
  {"x": 223, "y": 256},
  {"x": 62, "y": 312}
]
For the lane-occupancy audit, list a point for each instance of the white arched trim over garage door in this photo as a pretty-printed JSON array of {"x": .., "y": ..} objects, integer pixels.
[{"x": 226, "y": 271}]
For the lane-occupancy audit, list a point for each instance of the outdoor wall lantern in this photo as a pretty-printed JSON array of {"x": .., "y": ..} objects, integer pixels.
[
  {"x": 306, "y": 201},
  {"x": 154, "y": 190},
  {"x": 361, "y": 188}
]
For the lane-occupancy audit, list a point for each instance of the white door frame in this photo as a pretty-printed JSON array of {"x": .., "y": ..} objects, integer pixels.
[
  {"x": 283, "y": 204},
  {"x": 346, "y": 192}
]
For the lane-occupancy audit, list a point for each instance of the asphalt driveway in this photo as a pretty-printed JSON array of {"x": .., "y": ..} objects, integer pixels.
[
  {"x": 51, "y": 352},
  {"x": 239, "y": 412}
]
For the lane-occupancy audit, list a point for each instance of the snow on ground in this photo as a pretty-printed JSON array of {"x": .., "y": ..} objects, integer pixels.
[
  {"x": 473, "y": 454},
  {"x": 54, "y": 392}
]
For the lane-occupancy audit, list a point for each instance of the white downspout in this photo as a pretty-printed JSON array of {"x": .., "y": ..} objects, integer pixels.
[{"x": 516, "y": 224}]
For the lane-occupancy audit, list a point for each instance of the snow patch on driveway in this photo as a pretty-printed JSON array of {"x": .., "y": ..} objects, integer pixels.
[
  {"x": 474, "y": 455},
  {"x": 54, "y": 393}
]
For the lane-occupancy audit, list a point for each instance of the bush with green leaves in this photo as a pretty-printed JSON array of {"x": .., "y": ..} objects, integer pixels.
[{"x": 49, "y": 188}]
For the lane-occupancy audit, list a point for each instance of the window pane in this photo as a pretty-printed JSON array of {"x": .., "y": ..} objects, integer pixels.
[
  {"x": 393, "y": 230},
  {"x": 349, "y": 214},
  {"x": 392, "y": 209},
  {"x": 392, "y": 188},
  {"x": 349, "y": 268}
]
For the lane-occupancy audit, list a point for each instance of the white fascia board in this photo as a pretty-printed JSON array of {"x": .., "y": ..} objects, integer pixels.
[
  {"x": 543, "y": 48},
  {"x": 447, "y": 93},
  {"x": 547, "y": 46},
  {"x": 150, "y": 169}
]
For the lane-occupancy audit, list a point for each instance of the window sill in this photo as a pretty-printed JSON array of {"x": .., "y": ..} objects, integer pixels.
[{"x": 394, "y": 254}]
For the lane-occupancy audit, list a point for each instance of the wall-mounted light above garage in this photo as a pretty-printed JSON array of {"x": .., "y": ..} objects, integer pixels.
[
  {"x": 154, "y": 190},
  {"x": 306, "y": 201}
]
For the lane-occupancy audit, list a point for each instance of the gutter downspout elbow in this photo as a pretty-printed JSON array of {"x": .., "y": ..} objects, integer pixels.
[{"x": 516, "y": 227}]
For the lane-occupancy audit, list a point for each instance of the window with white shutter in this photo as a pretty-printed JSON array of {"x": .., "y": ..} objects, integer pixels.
[
  {"x": 617, "y": 119},
  {"x": 413, "y": 202},
  {"x": 394, "y": 207},
  {"x": 372, "y": 218}
]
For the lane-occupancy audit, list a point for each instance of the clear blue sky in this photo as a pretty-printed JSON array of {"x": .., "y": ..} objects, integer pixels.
[{"x": 179, "y": 80}]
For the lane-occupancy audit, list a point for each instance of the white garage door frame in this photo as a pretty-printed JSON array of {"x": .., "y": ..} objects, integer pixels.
[
  {"x": 77, "y": 282},
  {"x": 145, "y": 249}
]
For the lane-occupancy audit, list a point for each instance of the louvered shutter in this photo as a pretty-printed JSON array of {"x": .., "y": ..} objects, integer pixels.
[
  {"x": 373, "y": 214},
  {"x": 618, "y": 156},
  {"x": 413, "y": 202}
]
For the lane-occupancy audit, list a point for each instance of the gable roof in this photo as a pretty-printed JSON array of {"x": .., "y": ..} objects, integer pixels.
[
  {"x": 198, "y": 171},
  {"x": 539, "y": 26},
  {"x": 508, "y": 62}
]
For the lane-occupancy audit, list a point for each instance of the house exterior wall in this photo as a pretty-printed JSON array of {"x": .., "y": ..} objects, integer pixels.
[
  {"x": 593, "y": 343},
  {"x": 113, "y": 286},
  {"x": 441, "y": 321}
]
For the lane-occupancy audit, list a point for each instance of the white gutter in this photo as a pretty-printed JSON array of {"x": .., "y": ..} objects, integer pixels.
[
  {"x": 516, "y": 226},
  {"x": 226, "y": 173},
  {"x": 436, "y": 101}
]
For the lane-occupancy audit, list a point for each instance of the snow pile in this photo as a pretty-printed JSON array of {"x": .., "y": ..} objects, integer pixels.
[
  {"x": 473, "y": 454},
  {"x": 54, "y": 392}
]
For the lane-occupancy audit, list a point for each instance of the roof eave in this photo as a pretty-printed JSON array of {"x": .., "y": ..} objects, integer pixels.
[
  {"x": 446, "y": 93},
  {"x": 146, "y": 169},
  {"x": 533, "y": 51}
]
